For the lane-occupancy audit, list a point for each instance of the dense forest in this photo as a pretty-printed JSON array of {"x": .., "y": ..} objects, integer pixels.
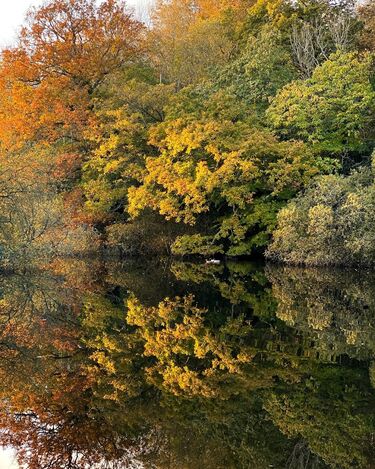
[{"x": 216, "y": 127}]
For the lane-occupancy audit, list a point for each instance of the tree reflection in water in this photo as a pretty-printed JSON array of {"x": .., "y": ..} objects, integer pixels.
[{"x": 187, "y": 366}]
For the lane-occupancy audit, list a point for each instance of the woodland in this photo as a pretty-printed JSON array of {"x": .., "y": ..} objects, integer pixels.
[
  {"x": 132, "y": 148},
  {"x": 229, "y": 128}
]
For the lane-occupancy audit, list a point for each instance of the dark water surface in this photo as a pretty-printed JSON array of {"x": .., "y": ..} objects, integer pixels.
[{"x": 188, "y": 366}]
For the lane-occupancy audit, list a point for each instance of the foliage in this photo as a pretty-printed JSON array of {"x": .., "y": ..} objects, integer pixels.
[
  {"x": 197, "y": 127},
  {"x": 332, "y": 110},
  {"x": 35, "y": 222},
  {"x": 114, "y": 164},
  {"x": 189, "y": 39},
  {"x": 322, "y": 425},
  {"x": 331, "y": 223},
  {"x": 261, "y": 69},
  {"x": 176, "y": 328},
  {"x": 366, "y": 13},
  {"x": 216, "y": 159},
  {"x": 65, "y": 51},
  {"x": 336, "y": 306}
]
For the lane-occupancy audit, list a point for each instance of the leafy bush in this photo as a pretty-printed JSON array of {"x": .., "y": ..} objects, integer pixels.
[{"x": 331, "y": 223}]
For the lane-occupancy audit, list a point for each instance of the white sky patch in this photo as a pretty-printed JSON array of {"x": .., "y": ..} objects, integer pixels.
[{"x": 8, "y": 459}]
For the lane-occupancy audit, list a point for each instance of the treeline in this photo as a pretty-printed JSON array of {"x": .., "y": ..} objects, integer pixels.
[{"x": 190, "y": 135}]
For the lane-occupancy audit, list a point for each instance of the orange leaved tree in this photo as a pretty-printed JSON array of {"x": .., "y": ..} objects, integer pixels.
[{"x": 64, "y": 52}]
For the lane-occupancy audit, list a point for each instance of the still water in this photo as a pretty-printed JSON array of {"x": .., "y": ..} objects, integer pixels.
[{"x": 187, "y": 366}]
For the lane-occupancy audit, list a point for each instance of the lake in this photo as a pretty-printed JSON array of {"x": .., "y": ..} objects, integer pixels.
[{"x": 161, "y": 364}]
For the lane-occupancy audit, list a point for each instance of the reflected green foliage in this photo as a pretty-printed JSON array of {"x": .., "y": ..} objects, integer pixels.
[
  {"x": 230, "y": 366},
  {"x": 332, "y": 415},
  {"x": 336, "y": 306}
]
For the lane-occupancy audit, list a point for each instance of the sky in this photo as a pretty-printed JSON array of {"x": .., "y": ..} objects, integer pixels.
[
  {"x": 8, "y": 459},
  {"x": 12, "y": 13}
]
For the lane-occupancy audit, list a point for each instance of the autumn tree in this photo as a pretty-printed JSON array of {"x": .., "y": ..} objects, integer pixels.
[
  {"x": 189, "y": 39},
  {"x": 216, "y": 164},
  {"x": 120, "y": 141},
  {"x": 366, "y": 11},
  {"x": 64, "y": 52},
  {"x": 49, "y": 84}
]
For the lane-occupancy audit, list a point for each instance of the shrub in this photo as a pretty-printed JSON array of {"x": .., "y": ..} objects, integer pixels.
[{"x": 331, "y": 223}]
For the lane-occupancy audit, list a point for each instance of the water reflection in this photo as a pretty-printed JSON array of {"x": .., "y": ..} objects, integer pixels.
[{"x": 187, "y": 365}]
